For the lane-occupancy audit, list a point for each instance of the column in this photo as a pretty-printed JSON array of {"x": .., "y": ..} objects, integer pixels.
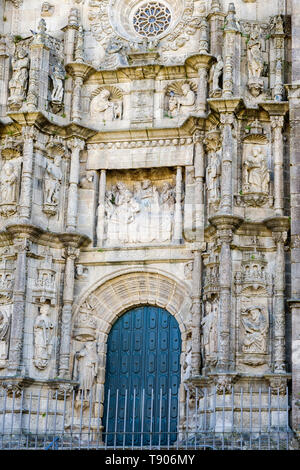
[
  {"x": 226, "y": 203},
  {"x": 294, "y": 102},
  {"x": 202, "y": 89},
  {"x": 230, "y": 31},
  {"x": 69, "y": 45},
  {"x": 199, "y": 184},
  {"x": 178, "y": 208},
  {"x": 76, "y": 100},
  {"x": 22, "y": 246},
  {"x": 279, "y": 309},
  {"x": 216, "y": 21},
  {"x": 224, "y": 238},
  {"x": 4, "y": 76},
  {"x": 277, "y": 125},
  {"x": 71, "y": 253},
  {"x": 76, "y": 145},
  {"x": 196, "y": 313},
  {"x": 101, "y": 208},
  {"x": 37, "y": 96},
  {"x": 28, "y": 133}
]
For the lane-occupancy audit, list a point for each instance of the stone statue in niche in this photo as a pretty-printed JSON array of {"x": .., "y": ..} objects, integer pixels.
[
  {"x": 255, "y": 325},
  {"x": 58, "y": 76},
  {"x": 42, "y": 337},
  {"x": 19, "y": 80},
  {"x": 213, "y": 174},
  {"x": 167, "y": 208},
  {"x": 4, "y": 335},
  {"x": 52, "y": 183},
  {"x": 256, "y": 176},
  {"x": 149, "y": 212},
  {"x": 215, "y": 75},
  {"x": 103, "y": 108},
  {"x": 8, "y": 188},
  {"x": 187, "y": 366},
  {"x": 86, "y": 368},
  {"x": 255, "y": 64},
  {"x": 209, "y": 328},
  {"x": 182, "y": 101}
]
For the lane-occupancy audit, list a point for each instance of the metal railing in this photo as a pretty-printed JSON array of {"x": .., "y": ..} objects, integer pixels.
[{"x": 205, "y": 419}]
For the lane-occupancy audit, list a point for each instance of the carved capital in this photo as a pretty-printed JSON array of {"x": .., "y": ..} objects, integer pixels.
[
  {"x": 279, "y": 237},
  {"x": 278, "y": 384},
  {"x": 227, "y": 118},
  {"x": 198, "y": 137},
  {"x": 63, "y": 390},
  {"x": 277, "y": 121},
  {"x": 213, "y": 140},
  {"x": 22, "y": 245},
  {"x": 76, "y": 144},
  {"x": 224, "y": 236},
  {"x": 29, "y": 133},
  {"x": 72, "y": 252},
  {"x": 12, "y": 387},
  {"x": 224, "y": 383}
]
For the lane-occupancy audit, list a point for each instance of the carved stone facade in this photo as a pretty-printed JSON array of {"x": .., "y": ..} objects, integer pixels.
[{"x": 150, "y": 156}]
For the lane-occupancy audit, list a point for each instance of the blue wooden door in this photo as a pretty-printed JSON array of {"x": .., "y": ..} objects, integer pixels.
[{"x": 142, "y": 379}]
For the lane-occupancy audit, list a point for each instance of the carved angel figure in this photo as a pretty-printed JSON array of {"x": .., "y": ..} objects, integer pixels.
[
  {"x": 19, "y": 80},
  {"x": 86, "y": 367},
  {"x": 58, "y": 75},
  {"x": 8, "y": 184},
  {"x": 255, "y": 325},
  {"x": 42, "y": 337}
]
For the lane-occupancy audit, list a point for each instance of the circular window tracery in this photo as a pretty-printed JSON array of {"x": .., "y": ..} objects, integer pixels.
[{"x": 151, "y": 19}]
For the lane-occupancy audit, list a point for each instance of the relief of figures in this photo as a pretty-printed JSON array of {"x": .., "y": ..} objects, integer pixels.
[
  {"x": 52, "y": 183},
  {"x": 4, "y": 336},
  {"x": 182, "y": 99},
  {"x": 42, "y": 337},
  {"x": 255, "y": 325},
  {"x": 106, "y": 106},
  {"x": 8, "y": 188},
  {"x": 19, "y": 80},
  {"x": 256, "y": 176},
  {"x": 143, "y": 215}
]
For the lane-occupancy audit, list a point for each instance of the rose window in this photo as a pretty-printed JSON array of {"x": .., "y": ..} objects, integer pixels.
[{"x": 151, "y": 19}]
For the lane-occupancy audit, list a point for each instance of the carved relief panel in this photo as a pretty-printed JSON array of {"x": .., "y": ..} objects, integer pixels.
[
  {"x": 252, "y": 321},
  {"x": 139, "y": 207},
  {"x": 106, "y": 104},
  {"x": 180, "y": 99}
]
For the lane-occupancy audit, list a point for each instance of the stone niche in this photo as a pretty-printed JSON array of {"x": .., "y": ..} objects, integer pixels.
[{"x": 139, "y": 207}]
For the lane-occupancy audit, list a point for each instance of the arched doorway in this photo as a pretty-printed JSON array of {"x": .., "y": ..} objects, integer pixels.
[{"x": 142, "y": 379}]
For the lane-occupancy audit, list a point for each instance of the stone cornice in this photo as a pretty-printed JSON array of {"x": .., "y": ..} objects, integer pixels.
[
  {"x": 275, "y": 108},
  {"x": 277, "y": 224},
  {"x": 39, "y": 235},
  {"x": 226, "y": 105},
  {"x": 224, "y": 222}
]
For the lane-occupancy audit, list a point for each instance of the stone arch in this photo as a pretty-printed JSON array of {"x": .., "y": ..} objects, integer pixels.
[{"x": 114, "y": 295}]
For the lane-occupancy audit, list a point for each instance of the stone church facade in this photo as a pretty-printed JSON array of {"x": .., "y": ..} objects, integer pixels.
[{"x": 150, "y": 157}]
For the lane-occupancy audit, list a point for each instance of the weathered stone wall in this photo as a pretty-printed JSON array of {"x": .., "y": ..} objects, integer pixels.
[{"x": 150, "y": 169}]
